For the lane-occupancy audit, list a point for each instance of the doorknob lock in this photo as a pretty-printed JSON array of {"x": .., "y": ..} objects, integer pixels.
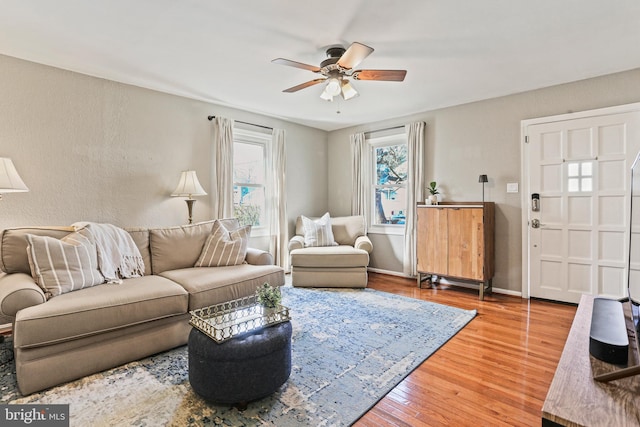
[{"x": 535, "y": 223}]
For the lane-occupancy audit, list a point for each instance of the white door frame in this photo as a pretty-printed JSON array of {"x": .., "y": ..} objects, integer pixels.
[{"x": 525, "y": 201}]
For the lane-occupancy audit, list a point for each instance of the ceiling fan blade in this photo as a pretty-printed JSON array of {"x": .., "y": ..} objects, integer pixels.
[
  {"x": 354, "y": 55},
  {"x": 304, "y": 85},
  {"x": 384, "y": 75},
  {"x": 290, "y": 63}
]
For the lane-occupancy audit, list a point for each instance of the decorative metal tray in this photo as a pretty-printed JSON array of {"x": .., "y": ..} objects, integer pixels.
[{"x": 236, "y": 317}]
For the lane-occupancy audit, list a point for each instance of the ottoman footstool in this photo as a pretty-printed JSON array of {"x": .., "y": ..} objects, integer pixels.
[{"x": 241, "y": 369}]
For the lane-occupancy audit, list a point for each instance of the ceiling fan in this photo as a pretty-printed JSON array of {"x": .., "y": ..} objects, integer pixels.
[{"x": 338, "y": 68}]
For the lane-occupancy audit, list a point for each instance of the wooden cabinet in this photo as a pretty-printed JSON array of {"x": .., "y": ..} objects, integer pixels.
[{"x": 455, "y": 240}]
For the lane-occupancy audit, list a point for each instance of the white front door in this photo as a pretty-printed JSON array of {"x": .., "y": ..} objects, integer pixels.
[{"x": 579, "y": 170}]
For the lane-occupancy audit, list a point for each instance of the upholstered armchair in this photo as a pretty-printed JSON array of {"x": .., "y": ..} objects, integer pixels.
[{"x": 330, "y": 252}]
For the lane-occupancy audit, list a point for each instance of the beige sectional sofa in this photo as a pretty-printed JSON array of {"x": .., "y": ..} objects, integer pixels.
[{"x": 92, "y": 329}]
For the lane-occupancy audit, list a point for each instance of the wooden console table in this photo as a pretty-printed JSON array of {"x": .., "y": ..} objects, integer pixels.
[{"x": 575, "y": 398}]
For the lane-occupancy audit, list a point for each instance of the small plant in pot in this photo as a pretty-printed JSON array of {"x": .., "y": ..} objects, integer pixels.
[
  {"x": 268, "y": 296},
  {"x": 433, "y": 190}
]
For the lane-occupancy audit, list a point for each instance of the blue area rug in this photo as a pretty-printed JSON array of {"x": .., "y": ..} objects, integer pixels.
[{"x": 350, "y": 348}]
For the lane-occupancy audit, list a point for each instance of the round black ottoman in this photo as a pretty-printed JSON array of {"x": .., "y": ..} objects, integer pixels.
[{"x": 241, "y": 369}]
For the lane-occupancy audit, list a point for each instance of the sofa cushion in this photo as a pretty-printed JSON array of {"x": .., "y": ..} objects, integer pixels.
[
  {"x": 224, "y": 247},
  {"x": 346, "y": 229},
  {"x": 13, "y": 246},
  {"x": 180, "y": 247},
  {"x": 99, "y": 309},
  {"x": 329, "y": 257},
  {"x": 317, "y": 232},
  {"x": 141, "y": 237},
  {"x": 214, "y": 285},
  {"x": 63, "y": 265}
]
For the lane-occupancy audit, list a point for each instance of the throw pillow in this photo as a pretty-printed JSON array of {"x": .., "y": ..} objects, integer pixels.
[
  {"x": 318, "y": 232},
  {"x": 224, "y": 247},
  {"x": 63, "y": 265}
]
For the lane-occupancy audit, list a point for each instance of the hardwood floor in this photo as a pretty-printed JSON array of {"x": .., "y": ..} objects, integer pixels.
[{"x": 494, "y": 372}]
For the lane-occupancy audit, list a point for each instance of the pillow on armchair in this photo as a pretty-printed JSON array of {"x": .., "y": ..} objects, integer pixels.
[{"x": 318, "y": 232}]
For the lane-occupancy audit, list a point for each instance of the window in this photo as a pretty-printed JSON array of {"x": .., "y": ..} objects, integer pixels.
[
  {"x": 249, "y": 178},
  {"x": 580, "y": 176},
  {"x": 389, "y": 202}
]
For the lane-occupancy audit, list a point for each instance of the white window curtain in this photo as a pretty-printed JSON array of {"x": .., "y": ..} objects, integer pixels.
[
  {"x": 276, "y": 200},
  {"x": 222, "y": 176},
  {"x": 415, "y": 192},
  {"x": 360, "y": 184}
]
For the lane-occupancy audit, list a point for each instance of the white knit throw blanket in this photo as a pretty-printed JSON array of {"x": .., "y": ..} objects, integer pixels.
[{"x": 118, "y": 256}]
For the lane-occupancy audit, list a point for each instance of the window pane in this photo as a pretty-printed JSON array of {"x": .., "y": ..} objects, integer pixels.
[
  {"x": 248, "y": 163},
  {"x": 587, "y": 169},
  {"x": 248, "y": 205},
  {"x": 390, "y": 205},
  {"x": 573, "y": 169},
  {"x": 574, "y": 184},
  {"x": 587, "y": 184},
  {"x": 391, "y": 164}
]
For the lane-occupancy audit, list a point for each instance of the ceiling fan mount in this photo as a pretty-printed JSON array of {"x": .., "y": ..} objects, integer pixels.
[
  {"x": 338, "y": 68},
  {"x": 333, "y": 56}
]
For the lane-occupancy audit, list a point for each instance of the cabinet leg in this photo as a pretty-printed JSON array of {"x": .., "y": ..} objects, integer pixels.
[
  {"x": 427, "y": 278},
  {"x": 488, "y": 285}
]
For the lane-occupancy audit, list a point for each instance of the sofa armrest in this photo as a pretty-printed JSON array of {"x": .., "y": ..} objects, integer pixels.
[
  {"x": 258, "y": 257},
  {"x": 296, "y": 242},
  {"x": 364, "y": 243},
  {"x": 18, "y": 291}
]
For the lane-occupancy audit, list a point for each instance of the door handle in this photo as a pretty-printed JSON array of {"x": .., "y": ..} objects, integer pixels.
[{"x": 535, "y": 223}]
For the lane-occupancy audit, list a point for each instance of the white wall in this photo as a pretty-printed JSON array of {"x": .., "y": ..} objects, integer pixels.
[
  {"x": 96, "y": 150},
  {"x": 465, "y": 141}
]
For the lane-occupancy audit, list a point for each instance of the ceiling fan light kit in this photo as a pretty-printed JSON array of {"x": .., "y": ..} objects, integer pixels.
[
  {"x": 338, "y": 68},
  {"x": 333, "y": 86}
]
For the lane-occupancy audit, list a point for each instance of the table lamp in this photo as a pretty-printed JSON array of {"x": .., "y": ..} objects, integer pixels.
[
  {"x": 483, "y": 179},
  {"x": 189, "y": 186},
  {"x": 10, "y": 181}
]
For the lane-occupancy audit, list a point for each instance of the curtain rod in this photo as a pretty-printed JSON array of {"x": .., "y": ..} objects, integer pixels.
[
  {"x": 381, "y": 130},
  {"x": 244, "y": 123}
]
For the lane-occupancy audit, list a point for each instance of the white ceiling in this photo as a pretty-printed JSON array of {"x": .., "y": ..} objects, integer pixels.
[{"x": 454, "y": 51}]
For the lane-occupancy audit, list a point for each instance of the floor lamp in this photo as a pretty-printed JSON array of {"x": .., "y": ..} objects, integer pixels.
[{"x": 189, "y": 186}]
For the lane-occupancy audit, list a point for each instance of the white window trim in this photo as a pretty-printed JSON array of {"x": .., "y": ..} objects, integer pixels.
[
  {"x": 375, "y": 142},
  {"x": 246, "y": 136}
]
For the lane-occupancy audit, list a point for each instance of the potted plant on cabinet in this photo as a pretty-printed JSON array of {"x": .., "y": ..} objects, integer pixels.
[{"x": 433, "y": 190}]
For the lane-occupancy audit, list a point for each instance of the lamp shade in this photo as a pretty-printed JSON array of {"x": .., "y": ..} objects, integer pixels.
[
  {"x": 348, "y": 91},
  {"x": 483, "y": 178},
  {"x": 333, "y": 86},
  {"x": 189, "y": 185},
  {"x": 10, "y": 181}
]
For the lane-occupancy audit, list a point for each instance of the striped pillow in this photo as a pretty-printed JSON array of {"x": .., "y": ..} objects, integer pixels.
[
  {"x": 224, "y": 247},
  {"x": 63, "y": 265},
  {"x": 318, "y": 232}
]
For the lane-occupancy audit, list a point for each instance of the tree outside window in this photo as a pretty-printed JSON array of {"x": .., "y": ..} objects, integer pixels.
[
  {"x": 390, "y": 189},
  {"x": 249, "y": 183}
]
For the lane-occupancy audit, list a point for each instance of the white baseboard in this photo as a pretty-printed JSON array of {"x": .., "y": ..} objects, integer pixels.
[
  {"x": 448, "y": 282},
  {"x": 389, "y": 272}
]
